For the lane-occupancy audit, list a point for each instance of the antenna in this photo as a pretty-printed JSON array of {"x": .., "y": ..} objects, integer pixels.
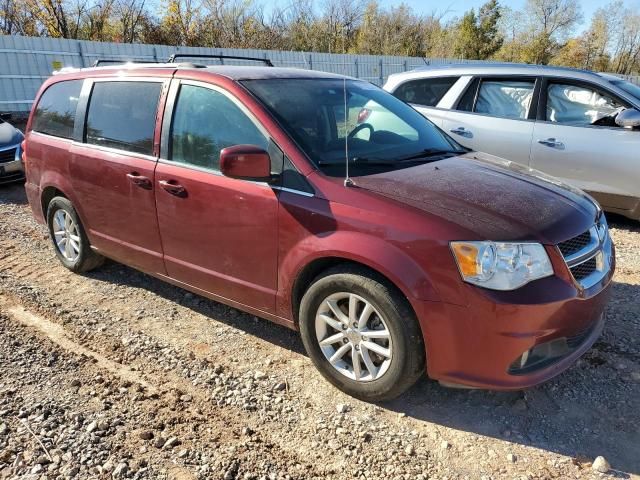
[{"x": 347, "y": 180}]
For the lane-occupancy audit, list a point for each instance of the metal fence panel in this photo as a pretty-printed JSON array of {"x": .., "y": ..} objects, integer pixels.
[{"x": 25, "y": 62}]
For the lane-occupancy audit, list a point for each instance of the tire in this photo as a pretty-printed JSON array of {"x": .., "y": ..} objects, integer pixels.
[
  {"x": 75, "y": 253},
  {"x": 390, "y": 314}
]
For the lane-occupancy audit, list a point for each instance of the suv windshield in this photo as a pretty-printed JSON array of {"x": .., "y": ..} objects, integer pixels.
[{"x": 379, "y": 131}]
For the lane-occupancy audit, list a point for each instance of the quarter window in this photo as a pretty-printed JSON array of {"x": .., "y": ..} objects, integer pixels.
[
  {"x": 580, "y": 105},
  {"x": 499, "y": 98},
  {"x": 56, "y": 111},
  {"x": 122, "y": 115},
  {"x": 425, "y": 91},
  {"x": 204, "y": 122}
]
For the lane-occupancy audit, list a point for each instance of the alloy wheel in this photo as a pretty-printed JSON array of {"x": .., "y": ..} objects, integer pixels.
[
  {"x": 66, "y": 235},
  {"x": 353, "y": 337}
]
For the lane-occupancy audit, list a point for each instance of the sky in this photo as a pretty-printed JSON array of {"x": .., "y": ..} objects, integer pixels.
[{"x": 455, "y": 8}]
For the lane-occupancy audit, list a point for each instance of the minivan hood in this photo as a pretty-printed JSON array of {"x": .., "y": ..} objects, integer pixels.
[
  {"x": 9, "y": 135},
  {"x": 493, "y": 198}
]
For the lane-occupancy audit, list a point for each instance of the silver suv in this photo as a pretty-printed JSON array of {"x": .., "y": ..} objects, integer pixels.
[{"x": 579, "y": 126}]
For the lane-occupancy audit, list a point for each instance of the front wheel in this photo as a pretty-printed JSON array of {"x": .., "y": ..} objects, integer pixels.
[{"x": 361, "y": 334}]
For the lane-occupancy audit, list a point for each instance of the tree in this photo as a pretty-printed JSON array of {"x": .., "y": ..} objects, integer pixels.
[
  {"x": 478, "y": 36},
  {"x": 551, "y": 22}
]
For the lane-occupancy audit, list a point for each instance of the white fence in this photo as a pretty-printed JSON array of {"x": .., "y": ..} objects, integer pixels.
[{"x": 25, "y": 62}]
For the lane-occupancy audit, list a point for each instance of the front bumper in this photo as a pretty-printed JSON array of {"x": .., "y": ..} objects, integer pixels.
[
  {"x": 11, "y": 171},
  {"x": 513, "y": 340}
]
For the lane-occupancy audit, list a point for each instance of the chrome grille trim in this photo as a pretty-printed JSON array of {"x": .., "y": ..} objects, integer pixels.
[{"x": 590, "y": 264}]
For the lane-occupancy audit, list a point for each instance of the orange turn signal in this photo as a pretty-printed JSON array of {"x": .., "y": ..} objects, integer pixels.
[{"x": 467, "y": 258}]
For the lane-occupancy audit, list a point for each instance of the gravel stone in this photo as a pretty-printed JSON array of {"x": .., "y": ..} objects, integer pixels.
[{"x": 601, "y": 465}]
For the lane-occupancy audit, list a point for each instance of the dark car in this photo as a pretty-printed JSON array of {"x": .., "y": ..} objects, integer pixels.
[
  {"x": 11, "y": 168},
  {"x": 393, "y": 251}
]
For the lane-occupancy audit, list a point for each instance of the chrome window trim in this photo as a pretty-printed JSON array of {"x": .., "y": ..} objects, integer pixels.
[
  {"x": 218, "y": 173},
  {"x": 116, "y": 151},
  {"x": 48, "y": 135}
]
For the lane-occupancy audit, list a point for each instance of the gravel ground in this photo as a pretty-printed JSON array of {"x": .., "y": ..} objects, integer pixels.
[{"x": 114, "y": 374}]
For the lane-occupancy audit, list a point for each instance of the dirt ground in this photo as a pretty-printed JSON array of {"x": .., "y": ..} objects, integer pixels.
[{"x": 114, "y": 374}]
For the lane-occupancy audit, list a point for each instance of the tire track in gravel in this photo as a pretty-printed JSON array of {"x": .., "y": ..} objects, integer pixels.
[
  {"x": 170, "y": 339},
  {"x": 57, "y": 335}
]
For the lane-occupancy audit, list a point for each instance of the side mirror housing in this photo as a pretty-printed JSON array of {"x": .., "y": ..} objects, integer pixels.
[
  {"x": 246, "y": 162},
  {"x": 629, "y": 118}
]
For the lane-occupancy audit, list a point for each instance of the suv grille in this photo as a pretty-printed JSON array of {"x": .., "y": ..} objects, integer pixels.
[
  {"x": 589, "y": 255},
  {"x": 575, "y": 244},
  {"x": 584, "y": 269},
  {"x": 8, "y": 155}
]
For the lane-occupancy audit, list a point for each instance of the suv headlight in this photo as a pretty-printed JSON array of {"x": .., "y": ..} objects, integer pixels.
[{"x": 501, "y": 266}]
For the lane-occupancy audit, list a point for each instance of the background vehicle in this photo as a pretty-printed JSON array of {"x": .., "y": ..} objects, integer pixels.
[
  {"x": 11, "y": 168},
  {"x": 230, "y": 182},
  {"x": 557, "y": 120}
]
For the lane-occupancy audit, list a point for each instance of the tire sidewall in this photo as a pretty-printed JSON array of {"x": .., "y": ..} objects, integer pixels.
[
  {"x": 61, "y": 203},
  {"x": 381, "y": 299}
]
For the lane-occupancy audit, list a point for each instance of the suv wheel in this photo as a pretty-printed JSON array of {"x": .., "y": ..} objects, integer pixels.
[
  {"x": 70, "y": 242},
  {"x": 361, "y": 334}
]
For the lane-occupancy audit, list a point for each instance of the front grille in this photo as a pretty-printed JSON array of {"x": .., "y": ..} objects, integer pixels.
[
  {"x": 8, "y": 155},
  {"x": 585, "y": 269},
  {"x": 575, "y": 244}
]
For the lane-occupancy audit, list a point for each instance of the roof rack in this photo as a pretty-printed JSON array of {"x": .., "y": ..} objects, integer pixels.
[
  {"x": 173, "y": 57},
  {"x": 105, "y": 61}
]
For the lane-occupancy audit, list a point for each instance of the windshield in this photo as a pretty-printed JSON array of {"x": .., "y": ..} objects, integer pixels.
[
  {"x": 379, "y": 131},
  {"x": 628, "y": 87}
]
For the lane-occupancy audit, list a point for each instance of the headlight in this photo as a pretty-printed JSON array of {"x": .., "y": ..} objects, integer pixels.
[
  {"x": 18, "y": 153},
  {"x": 501, "y": 266}
]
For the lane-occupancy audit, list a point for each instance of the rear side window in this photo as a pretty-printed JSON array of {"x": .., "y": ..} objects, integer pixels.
[
  {"x": 122, "y": 115},
  {"x": 56, "y": 110},
  {"x": 504, "y": 98},
  {"x": 425, "y": 91},
  {"x": 204, "y": 122}
]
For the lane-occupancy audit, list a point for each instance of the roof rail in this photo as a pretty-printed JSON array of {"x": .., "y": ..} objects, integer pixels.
[
  {"x": 173, "y": 57},
  {"x": 105, "y": 61}
]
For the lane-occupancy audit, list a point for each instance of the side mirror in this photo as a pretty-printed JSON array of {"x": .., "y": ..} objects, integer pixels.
[
  {"x": 246, "y": 162},
  {"x": 629, "y": 117}
]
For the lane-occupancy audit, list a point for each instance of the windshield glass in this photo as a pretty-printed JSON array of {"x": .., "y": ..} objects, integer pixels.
[
  {"x": 381, "y": 132},
  {"x": 628, "y": 87}
]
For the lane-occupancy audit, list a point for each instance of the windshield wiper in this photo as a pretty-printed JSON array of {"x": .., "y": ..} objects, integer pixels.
[
  {"x": 429, "y": 153},
  {"x": 424, "y": 156}
]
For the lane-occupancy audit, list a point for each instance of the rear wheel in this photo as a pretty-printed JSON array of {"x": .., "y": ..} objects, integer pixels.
[
  {"x": 361, "y": 334},
  {"x": 69, "y": 239}
]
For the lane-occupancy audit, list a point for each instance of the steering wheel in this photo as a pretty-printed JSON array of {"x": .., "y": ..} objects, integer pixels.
[{"x": 360, "y": 127}]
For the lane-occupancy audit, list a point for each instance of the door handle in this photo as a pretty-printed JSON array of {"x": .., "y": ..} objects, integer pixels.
[
  {"x": 173, "y": 187},
  {"x": 552, "y": 142},
  {"x": 139, "y": 180},
  {"x": 462, "y": 132}
]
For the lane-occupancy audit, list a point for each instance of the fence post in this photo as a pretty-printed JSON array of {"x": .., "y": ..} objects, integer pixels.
[
  {"x": 82, "y": 64},
  {"x": 381, "y": 76},
  {"x": 406, "y": 65},
  {"x": 357, "y": 70},
  {"x": 155, "y": 54},
  {"x": 311, "y": 61}
]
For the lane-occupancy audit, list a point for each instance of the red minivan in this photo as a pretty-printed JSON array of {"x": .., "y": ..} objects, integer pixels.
[{"x": 391, "y": 248}]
